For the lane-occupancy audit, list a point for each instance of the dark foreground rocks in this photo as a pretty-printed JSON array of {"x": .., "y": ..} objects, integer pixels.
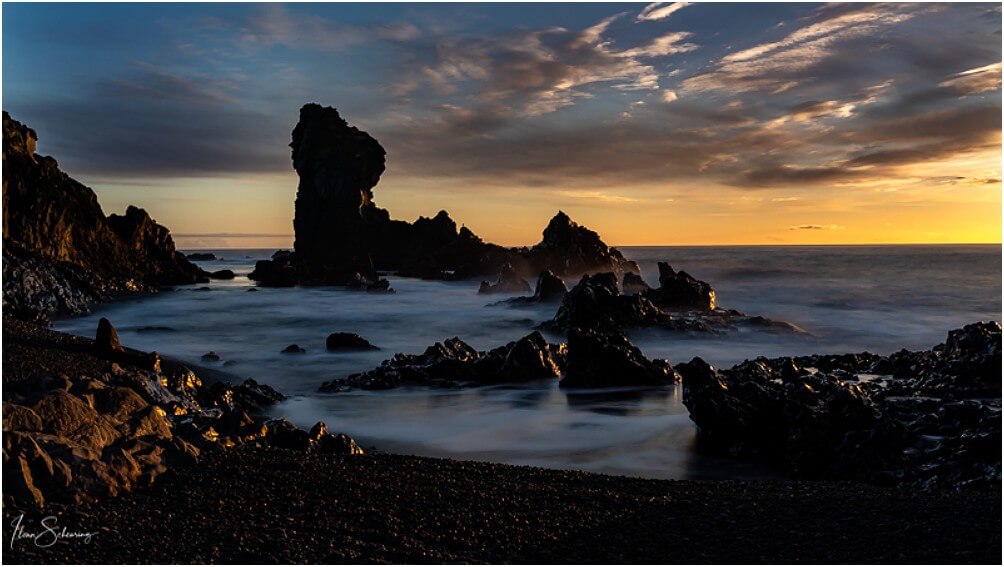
[
  {"x": 925, "y": 419},
  {"x": 341, "y": 234},
  {"x": 87, "y": 420},
  {"x": 597, "y": 360},
  {"x": 454, "y": 362},
  {"x": 685, "y": 305},
  {"x": 508, "y": 281},
  {"x": 60, "y": 252},
  {"x": 269, "y": 505}
]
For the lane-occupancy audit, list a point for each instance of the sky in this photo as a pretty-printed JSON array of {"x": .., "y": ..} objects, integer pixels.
[{"x": 653, "y": 124}]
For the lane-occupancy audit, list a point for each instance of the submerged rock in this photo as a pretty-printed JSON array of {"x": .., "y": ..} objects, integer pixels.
[
  {"x": 508, "y": 282},
  {"x": 223, "y": 275},
  {"x": 929, "y": 425},
  {"x": 293, "y": 349},
  {"x": 633, "y": 283},
  {"x": 679, "y": 291},
  {"x": 347, "y": 341},
  {"x": 453, "y": 361},
  {"x": 600, "y": 360}
]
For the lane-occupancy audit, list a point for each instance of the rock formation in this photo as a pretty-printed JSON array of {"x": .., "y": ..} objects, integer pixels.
[
  {"x": 929, "y": 419},
  {"x": 679, "y": 291},
  {"x": 508, "y": 281},
  {"x": 342, "y": 236},
  {"x": 60, "y": 250},
  {"x": 454, "y": 362},
  {"x": 600, "y": 360}
]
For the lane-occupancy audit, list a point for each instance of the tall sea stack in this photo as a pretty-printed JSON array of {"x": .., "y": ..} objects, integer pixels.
[{"x": 338, "y": 167}]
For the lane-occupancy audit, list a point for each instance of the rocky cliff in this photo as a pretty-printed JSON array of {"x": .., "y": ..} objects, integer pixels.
[
  {"x": 60, "y": 251},
  {"x": 342, "y": 236}
]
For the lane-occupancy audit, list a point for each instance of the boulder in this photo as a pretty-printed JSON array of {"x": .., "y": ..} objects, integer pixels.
[
  {"x": 679, "y": 291},
  {"x": 600, "y": 360},
  {"x": 211, "y": 356},
  {"x": 223, "y": 275},
  {"x": 293, "y": 349},
  {"x": 597, "y": 303},
  {"x": 550, "y": 288},
  {"x": 347, "y": 341},
  {"x": 340, "y": 444},
  {"x": 106, "y": 340}
]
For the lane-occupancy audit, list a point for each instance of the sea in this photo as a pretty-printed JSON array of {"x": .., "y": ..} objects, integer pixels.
[{"x": 846, "y": 298}]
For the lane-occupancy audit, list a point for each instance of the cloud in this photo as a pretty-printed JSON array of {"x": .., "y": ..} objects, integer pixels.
[
  {"x": 669, "y": 96},
  {"x": 975, "y": 81},
  {"x": 536, "y": 72},
  {"x": 817, "y": 227},
  {"x": 779, "y": 66},
  {"x": 276, "y": 25},
  {"x": 660, "y": 10}
]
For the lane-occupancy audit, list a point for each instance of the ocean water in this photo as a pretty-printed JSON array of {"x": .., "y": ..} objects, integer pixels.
[{"x": 846, "y": 298}]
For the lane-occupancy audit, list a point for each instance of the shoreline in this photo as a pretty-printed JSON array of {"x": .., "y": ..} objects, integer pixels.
[{"x": 256, "y": 504}]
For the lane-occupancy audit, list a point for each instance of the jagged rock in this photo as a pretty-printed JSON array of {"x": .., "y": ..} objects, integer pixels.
[
  {"x": 632, "y": 283},
  {"x": 550, "y": 288},
  {"x": 596, "y": 303},
  {"x": 347, "y": 341},
  {"x": 277, "y": 272},
  {"x": 293, "y": 349},
  {"x": 107, "y": 338},
  {"x": 570, "y": 249},
  {"x": 201, "y": 256},
  {"x": 319, "y": 429},
  {"x": 508, "y": 282},
  {"x": 927, "y": 427},
  {"x": 454, "y": 361},
  {"x": 340, "y": 444},
  {"x": 223, "y": 275},
  {"x": 60, "y": 250},
  {"x": 679, "y": 291},
  {"x": 600, "y": 360}
]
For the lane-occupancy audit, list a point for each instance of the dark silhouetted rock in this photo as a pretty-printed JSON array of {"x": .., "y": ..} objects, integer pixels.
[
  {"x": 568, "y": 249},
  {"x": 632, "y": 283},
  {"x": 60, "y": 250},
  {"x": 340, "y": 444},
  {"x": 106, "y": 340},
  {"x": 927, "y": 425},
  {"x": 508, "y": 282},
  {"x": 597, "y": 303},
  {"x": 600, "y": 360},
  {"x": 317, "y": 431},
  {"x": 347, "y": 341},
  {"x": 679, "y": 291},
  {"x": 201, "y": 256},
  {"x": 223, "y": 275},
  {"x": 211, "y": 356},
  {"x": 455, "y": 362},
  {"x": 550, "y": 288},
  {"x": 293, "y": 349}
]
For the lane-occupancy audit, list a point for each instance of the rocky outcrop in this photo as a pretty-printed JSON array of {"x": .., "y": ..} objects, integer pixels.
[
  {"x": 60, "y": 250},
  {"x": 602, "y": 360},
  {"x": 342, "y": 236},
  {"x": 927, "y": 419},
  {"x": 568, "y": 249},
  {"x": 222, "y": 275},
  {"x": 454, "y": 362},
  {"x": 508, "y": 281},
  {"x": 679, "y": 291},
  {"x": 597, "y": 303},
  {"x": 201, "y": 256},
  {"x": 83, "y": 436}
]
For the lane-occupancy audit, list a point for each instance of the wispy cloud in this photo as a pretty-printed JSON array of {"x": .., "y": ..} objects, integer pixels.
[
  {"x": 660, "y": 10},
  {"x": 817, "y": 227}
]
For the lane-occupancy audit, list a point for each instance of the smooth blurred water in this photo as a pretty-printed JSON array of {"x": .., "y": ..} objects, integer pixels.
[{"x": 849, "y": 299}]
